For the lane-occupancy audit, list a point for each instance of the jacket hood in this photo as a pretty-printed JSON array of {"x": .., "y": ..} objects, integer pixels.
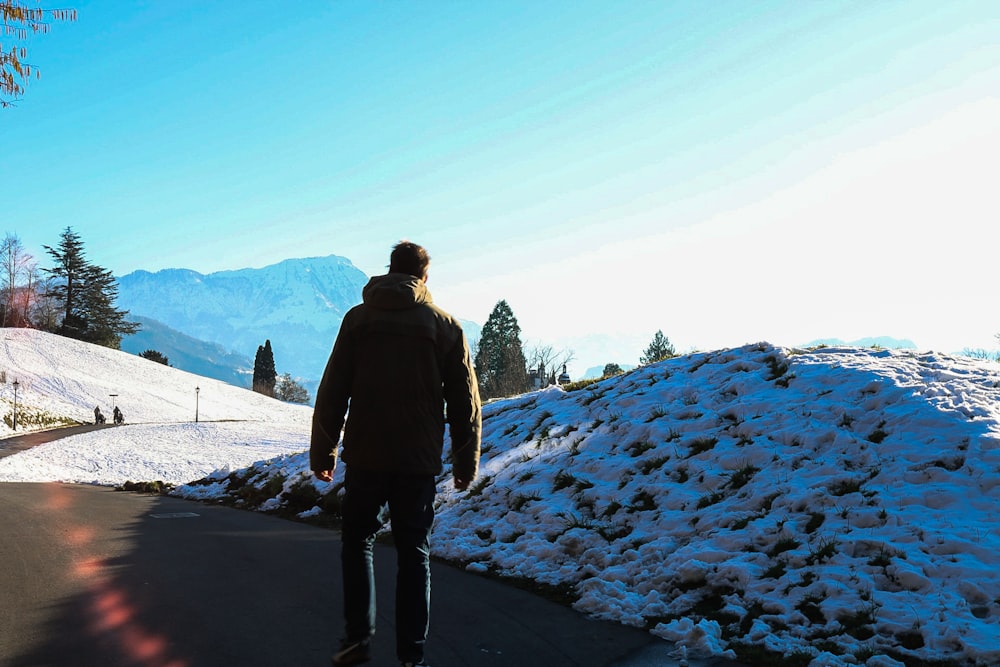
[{"x": 395, "y": 291}]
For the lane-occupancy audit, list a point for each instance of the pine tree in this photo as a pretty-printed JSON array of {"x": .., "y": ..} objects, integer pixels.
[
  {"x": 264, "y": 375},
  {"x": 658, "y": 350},
  {"x": 86, "y": 293},
  {"x": 611, "y": 369},
  {"x": 500, "y": 364},
  {"x": 154, "y": 355},
  {"x": 107, "y": 324}
]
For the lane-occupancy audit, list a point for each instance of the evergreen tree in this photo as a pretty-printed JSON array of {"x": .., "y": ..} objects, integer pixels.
[
  {"x": 106, "y": 324},
  {"x": 611, "y": 370},
  {"x": 156, "y": 356},
  {"x": 86, "y": 293},
  {"x": 500, "y": 364},
  {"x": 264, "y": 375},
  {"x": 658, "y": 350},
  {"x": 290, "y": 391}
]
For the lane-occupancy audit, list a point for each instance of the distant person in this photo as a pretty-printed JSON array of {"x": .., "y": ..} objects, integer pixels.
[
  {"x": 398, "y": 361},
  {"x": 118, "y": 416},
  {"x": 98, "y": 415}
]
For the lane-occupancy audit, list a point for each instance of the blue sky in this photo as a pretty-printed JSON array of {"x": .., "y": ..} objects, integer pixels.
[{"x": 727, "y": 172}]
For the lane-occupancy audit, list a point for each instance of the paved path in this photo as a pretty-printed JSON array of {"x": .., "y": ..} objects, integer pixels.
[
  {"x": 95, "y": 577},
  {"x": 19, "y": 443}
]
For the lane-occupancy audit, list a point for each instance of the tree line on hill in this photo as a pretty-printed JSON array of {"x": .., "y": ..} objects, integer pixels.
[
  {"x": 504, "y": 367},
  {"x": 76, "y": 298},
  {"x": 73, "y": 298}
]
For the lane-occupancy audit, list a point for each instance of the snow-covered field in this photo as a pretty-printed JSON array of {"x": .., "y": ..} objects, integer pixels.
[
  {"x": 59, "y": 377},
  {"x": 835, "y": 503}
]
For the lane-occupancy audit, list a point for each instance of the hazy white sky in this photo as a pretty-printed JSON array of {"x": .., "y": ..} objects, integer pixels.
[{"x": 727, "y": 172}]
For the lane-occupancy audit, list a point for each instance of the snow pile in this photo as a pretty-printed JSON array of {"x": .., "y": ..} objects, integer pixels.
[{"x": 841, "y": 500}]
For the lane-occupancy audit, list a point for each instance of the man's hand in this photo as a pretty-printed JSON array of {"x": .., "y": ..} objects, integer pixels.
[
  {"x": 462, "y": 484},
  {"x": 324, "y": 475}
]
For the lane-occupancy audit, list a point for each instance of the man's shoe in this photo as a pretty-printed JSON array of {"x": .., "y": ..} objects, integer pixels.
[
  {"x": 416, "y": 664},
  {"x": 353, "y": 653}
]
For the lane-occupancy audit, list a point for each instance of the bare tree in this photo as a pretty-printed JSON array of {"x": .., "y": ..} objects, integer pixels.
[
  {"x": 981, "y": 353},
  {"x": 18, "y": 272},
  {"x": 29, "y": 295},
  {"x": 290, "y": 390},
  {"x": 547, "y": 361},
  {"x": 46, "y": 309}
]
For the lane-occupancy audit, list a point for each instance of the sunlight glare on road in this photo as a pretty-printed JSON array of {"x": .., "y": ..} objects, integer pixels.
[{"x": 112, "y": 612}]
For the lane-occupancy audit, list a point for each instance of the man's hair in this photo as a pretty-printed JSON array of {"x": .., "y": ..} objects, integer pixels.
[{"x": 409, "y": 258}]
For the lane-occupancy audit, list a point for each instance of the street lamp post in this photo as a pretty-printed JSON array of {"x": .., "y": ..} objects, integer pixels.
[
  {"x": 197, "y": 390},
  {"x": 13, "y": 421},
  {"x": 113, "y": 397}
]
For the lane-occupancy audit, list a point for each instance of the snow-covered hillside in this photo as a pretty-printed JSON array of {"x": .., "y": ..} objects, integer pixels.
[
  {"x": 842, "y": 501},
  {"x": 832, "y": 507},
  {"x": 63, "y": 379}
]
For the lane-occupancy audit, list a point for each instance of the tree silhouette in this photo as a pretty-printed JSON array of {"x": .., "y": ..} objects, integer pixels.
[
  {"x": 156, "y": 356},
  {"x": 264, "y": 375},
  {"x": 500, "y": 364},
  {"x": 658, "y": 350},
  {"x": 611, "y": 369},
  {"x": 86, "y": 293}
]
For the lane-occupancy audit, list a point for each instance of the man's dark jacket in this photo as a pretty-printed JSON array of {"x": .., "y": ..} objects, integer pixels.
[{"x": 399, "y": 362}]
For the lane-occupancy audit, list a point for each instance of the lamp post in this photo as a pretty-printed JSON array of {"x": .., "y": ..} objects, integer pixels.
[
  {"x": 13, "y": 421},
  {"x": 197, "y": 390},
  {"x": 113, "y": 397}
]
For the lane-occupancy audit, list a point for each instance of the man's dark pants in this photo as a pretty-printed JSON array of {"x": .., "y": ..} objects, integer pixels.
[{"x": 410, "y": 499}]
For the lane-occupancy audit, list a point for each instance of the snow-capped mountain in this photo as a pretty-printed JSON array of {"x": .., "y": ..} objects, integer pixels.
[
  {"x": 212, "y": 324},
  {"x": 297, "y": 304}
]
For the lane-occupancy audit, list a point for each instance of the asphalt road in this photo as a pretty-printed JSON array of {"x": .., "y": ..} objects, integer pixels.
[
  {"x": 92, "y": 577},
  {"x": 95, "y": 577},
  {"x": 19, "y": 443}
]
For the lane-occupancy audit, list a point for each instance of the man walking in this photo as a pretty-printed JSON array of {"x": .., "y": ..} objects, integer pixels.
[{"x": 403, "y": 366}]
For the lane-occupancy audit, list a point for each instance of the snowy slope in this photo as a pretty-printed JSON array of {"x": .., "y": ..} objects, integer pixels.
[
  {"x": 70, "y": 378},
  {"x": 844, "y": 496},
  {"x": 60, "y": 378}
]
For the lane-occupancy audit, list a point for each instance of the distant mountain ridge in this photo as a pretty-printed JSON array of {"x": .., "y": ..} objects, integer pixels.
[
  {"x": 297, "y": 304},
  {"x": 190, "y": 354},
  {"x": 211, "y": 324}
]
